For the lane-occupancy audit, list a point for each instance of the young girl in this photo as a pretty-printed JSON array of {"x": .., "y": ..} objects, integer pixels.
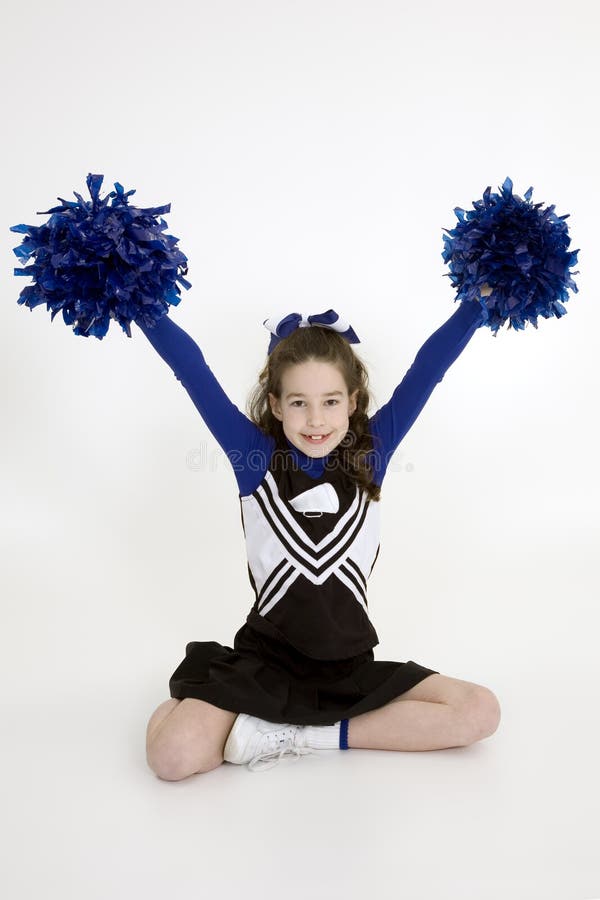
[{"x": 309, "y": 464}]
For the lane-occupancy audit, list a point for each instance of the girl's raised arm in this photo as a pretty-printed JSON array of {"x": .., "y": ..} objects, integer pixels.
[
  {"x": 390, "y": 423},
  {"x": 235, "y": 432}
]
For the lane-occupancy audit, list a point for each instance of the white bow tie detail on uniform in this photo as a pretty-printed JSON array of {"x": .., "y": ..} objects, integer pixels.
[{"x": 316, "y": 501}]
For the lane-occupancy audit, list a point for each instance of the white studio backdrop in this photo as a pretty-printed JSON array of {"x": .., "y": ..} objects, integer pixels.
[{"x": 312, "y": 153}]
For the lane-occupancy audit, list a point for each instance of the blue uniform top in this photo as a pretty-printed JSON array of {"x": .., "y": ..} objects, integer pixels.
[{"x": 312, "y": 536}]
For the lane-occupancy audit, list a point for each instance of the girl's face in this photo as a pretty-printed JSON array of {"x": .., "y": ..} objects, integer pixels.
[{"x": 314, "y": 401}]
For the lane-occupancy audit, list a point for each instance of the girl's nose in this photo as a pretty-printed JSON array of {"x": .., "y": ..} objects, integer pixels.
[{"x": 315, "y": 418}]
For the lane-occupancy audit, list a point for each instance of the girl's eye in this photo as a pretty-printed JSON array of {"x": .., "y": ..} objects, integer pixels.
[{"x": 331, "y": 400}]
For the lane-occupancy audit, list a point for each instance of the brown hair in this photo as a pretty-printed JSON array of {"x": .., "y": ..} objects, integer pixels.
[{"x": 323, "y": 345}]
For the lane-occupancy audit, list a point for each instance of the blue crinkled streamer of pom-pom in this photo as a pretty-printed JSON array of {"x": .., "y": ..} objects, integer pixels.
[
  {"x": 96, "y": 261},
  {"x": 516, "y": 252}
]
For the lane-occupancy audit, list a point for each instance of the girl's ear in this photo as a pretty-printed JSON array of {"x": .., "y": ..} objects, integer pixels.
[
  {"x": 275, "y": 406},
  {"x": 353, "y": 402}
]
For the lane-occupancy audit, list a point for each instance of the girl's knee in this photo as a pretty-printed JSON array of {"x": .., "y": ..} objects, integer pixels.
[
  {"x": 175, "y": 771},
  {"x": 179, "y": 743},
  {"x": 158, "y": 716},
  {"x": 172, "y": 760},
  {"x": 482, "y": 714}
]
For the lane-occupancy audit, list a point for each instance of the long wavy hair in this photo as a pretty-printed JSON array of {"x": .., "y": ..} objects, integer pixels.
[{"x": 322, "y": 345}]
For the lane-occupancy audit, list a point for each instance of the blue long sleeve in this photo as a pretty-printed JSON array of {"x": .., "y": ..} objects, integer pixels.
[
  {"x": 391, "y": 423},
  {"x": 247, "y": 447}
]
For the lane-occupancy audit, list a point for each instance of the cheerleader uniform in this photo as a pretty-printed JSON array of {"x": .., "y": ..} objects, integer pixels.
[{"x": 304, "y": 655}]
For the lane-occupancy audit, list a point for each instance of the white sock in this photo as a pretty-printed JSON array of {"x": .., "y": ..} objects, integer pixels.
[{"x": 323, "y": 737}]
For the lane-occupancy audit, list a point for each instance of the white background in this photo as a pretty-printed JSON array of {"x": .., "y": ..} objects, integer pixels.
[{"x": 312, "y": 153}]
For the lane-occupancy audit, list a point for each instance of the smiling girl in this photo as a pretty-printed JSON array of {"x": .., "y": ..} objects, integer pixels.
[{"x": 301, "y": 674}]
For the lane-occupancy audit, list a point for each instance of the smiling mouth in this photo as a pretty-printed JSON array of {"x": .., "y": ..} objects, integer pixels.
[{"x": 320, "y": 439}]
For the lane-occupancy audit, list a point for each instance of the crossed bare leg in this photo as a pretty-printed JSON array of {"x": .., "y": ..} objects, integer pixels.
[{"x": 186, "y": 737}]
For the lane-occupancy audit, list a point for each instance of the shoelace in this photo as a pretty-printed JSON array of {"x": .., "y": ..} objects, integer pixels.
[{"x": 264, "y": 761}]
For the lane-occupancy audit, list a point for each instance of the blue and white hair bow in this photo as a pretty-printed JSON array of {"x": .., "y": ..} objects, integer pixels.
[{"x": 281, "y": 328}]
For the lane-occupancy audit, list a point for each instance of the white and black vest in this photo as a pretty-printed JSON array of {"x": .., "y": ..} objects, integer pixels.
[{"x": 311, "y": 546}]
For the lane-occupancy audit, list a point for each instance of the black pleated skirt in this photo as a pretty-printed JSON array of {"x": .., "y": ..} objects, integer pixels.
[{"x": 272, "y": 680}]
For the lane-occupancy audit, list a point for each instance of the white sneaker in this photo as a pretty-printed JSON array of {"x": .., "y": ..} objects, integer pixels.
[{"x": 261, "y": 744}]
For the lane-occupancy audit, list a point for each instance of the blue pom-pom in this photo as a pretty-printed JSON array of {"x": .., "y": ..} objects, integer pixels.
[
  {"x": 511, "y": 256},
  {"x": 96, "y": 261}
]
